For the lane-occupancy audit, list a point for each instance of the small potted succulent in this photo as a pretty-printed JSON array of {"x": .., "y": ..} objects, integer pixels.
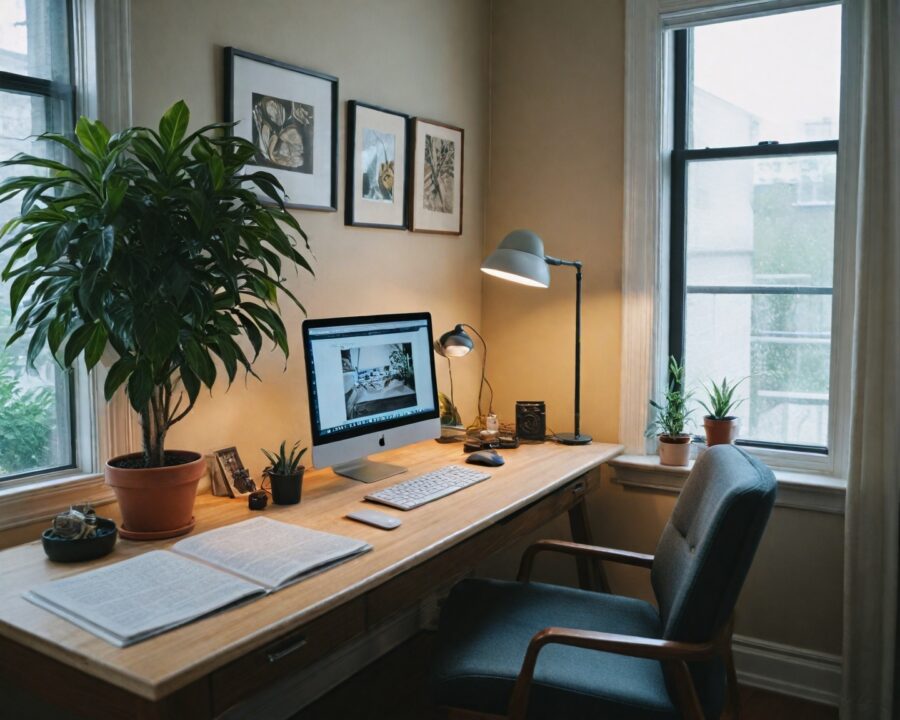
[
  {"x": 285, "y": 474},
  {"x": 670, "y": 418},
  {"x": 720, "y": 424}
]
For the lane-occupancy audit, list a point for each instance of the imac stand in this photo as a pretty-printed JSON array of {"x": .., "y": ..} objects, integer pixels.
[{"x": 367, "y": 471}]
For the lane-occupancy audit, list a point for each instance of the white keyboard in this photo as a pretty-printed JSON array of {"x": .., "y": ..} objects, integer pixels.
[{"x": 425, "y": 488}]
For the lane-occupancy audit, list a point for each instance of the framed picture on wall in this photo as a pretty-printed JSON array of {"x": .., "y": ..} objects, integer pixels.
[
  {"x": 377, "y": 165},
  {"x": 437, "y": 172},
  {"x": 290, "y": 115}
]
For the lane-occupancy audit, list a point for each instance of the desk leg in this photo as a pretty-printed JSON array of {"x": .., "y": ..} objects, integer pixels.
[{"x": 591, "y": 575}]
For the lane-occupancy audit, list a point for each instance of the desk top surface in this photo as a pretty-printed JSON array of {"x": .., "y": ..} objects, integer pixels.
[{"x": 156, "y": 667}]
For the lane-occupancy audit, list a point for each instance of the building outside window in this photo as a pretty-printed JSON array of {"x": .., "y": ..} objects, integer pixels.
[
  {"x": 752, "y": 235},
  {"x": 36, "y": 95}
]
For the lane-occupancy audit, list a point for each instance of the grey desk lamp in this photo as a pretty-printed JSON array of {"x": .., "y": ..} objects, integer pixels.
[{"x": 520, "y": 258}]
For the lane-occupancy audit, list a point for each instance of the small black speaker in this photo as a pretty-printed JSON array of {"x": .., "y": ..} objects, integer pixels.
[{"x": 531, "y": 420}]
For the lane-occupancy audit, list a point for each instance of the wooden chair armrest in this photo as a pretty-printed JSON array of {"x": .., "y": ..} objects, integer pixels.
[
  {"x": 673, "y": 654},
  {"x": 571, "y": 548}
]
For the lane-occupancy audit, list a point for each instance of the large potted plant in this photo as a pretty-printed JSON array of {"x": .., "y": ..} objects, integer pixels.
[
  {"x": 670, "y": 418},
  {"x": 720, "y": 424},
  {"x": 151, "y": 243}
]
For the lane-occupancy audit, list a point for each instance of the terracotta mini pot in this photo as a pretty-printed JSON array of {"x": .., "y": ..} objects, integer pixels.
[
  {"x": 720, "y": 432},
  {"x": 156, "y": 502},
  {"x": 286, "y": 489},
  {"x": 675, "y": 450}
]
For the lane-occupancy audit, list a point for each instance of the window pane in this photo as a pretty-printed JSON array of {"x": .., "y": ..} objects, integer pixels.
[
  {"x": 35, "y": 426},
  {"x": 34, "y": 38},
  {"x": 764, "y": 221},
  {"x": 755, "y": 224},
  {"x": 783, "y": 343},
  {"x": 774, "y": 78}
]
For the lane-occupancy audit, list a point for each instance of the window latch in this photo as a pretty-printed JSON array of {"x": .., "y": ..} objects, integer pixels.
[{"x": 767, "y": 142}]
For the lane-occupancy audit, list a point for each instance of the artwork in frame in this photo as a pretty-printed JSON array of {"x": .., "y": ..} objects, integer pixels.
[
  {"x": 290, "y": 115},
  {"x": 437, "y": 178},
  {"x": 377, "y": 167}
]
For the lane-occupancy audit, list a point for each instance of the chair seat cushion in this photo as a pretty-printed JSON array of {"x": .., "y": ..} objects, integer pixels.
[{"x": 485, "y": 629}]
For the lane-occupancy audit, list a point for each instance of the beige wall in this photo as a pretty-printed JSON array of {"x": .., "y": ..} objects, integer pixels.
[
  {"x": 556, "y": 166},
  {"x": 425, "y": 58}
]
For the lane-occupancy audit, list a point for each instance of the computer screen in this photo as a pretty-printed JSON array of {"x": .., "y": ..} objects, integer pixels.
[{"x": 368, "y": 374}]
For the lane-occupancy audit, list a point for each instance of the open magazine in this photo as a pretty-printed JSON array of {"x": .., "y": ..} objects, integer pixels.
[{"x": 157, "y": 591}]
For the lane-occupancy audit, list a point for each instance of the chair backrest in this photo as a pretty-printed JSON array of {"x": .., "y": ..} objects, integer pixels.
[{"x": 708, "y": 544}]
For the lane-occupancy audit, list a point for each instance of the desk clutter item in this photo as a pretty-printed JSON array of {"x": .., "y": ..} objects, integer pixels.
[
  {"x": 78, "y": 535},
  {"x": 164, "y": 589},
  {"x": 426, "y": 488},
  {"x": 236, "y": 477},
  {"x": 531, "y": 420},
  {"x": 258, "y": 500}
]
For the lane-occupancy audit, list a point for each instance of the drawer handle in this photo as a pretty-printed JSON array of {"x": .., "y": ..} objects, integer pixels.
[
  {"x": 578, "y": 488},
  {"x": 277, "y": 655}
]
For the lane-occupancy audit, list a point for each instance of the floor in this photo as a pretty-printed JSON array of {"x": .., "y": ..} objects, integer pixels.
[{"x": 395, "y": 688}]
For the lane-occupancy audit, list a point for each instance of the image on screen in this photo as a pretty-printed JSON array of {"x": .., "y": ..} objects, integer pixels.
[{"x": 382, "y": 379}]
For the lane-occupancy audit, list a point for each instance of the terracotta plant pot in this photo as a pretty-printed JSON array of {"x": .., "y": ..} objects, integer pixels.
[
  {"x": 286, "y": 489},
  {"x": 675, "y": 450},
  {"x": 156, "y": 502},
  {"x": 720, "y": 432}
]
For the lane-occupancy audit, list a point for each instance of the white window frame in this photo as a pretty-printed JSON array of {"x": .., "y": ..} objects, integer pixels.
[
  {"x": 101, "y": 37},
  {"x": 648, "y": 144}
]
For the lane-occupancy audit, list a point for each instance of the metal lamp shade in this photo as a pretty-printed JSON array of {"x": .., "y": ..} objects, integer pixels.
[
  {"x": 519, "y": 258},
  {"x": 455, "y": 343}
]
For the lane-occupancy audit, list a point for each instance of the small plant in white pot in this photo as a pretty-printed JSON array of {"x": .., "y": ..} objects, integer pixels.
[
  {"x": 720, "y": 424},
  {"x": 670, "y": 418}
]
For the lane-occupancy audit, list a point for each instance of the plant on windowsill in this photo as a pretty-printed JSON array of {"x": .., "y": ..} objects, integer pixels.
[
  {"x": 670, "y": 418},
  {"x": 720, "y": 424},
  {"x": 152, "y": 244},
  {"x": 285, "y": 473}
]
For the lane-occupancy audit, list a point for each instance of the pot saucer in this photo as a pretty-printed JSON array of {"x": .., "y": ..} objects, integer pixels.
[{"x": 127, "y": 534}]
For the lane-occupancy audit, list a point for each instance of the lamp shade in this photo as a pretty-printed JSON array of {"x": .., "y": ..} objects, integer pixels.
[
  {"x": 520, "y": 258},
  {"x": 455, "y": 343}
]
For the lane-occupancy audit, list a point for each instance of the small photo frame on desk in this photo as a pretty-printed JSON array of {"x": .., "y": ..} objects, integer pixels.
[{"x": 236, "y": 476}]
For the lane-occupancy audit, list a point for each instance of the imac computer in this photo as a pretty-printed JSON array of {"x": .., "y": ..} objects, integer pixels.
[{"x": 371, "y": 388}]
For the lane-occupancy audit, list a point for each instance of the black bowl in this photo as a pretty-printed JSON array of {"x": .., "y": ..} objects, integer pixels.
[{"x": 66, "y": 551}]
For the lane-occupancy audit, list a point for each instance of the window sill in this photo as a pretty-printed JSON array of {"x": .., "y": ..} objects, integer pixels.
[
  {"x": 800, "y": 490},
  {"x": 26, "y": 503}
]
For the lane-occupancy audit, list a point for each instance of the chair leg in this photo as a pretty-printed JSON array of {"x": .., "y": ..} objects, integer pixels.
[{"x": 733, "y": 698}]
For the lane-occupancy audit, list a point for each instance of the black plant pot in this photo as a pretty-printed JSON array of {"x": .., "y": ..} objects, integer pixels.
[{"x": 286, "y": 488}]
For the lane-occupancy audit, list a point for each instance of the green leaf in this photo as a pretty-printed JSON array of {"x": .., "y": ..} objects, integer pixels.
[
  {"x": 95, "y": 346},
  {"x": 17, "y": 292},
  {"x": 174, "y": 124},
  {"x": 140, "y": 387},
  {"x": 93, "y": 136},
  {"x": 156, "y": 331},
  {"x": 118, "y": 374},
  {"x": 199, "y": 362},
  {"x": 76, "y": 343}
]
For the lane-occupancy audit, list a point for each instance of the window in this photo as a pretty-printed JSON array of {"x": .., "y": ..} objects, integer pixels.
[
  {"x": 37, "y": 428},
  {"x": 752, "y": 217}
]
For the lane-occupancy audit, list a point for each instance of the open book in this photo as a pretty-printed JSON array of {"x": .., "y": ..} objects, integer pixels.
[{"x": 144, "y": 596}]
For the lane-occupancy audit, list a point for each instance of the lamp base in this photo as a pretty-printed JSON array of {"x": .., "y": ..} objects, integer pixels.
[{"x": 572, "y": 438}]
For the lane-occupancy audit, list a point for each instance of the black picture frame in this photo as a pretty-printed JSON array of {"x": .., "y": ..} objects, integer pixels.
[
  {"x": 325, "y": 183},
  {"x": 448, "y": 219},
  {"x": 356, "y": 213}
]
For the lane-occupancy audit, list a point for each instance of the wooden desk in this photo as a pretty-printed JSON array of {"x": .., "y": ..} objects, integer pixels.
[{"x": 201, "y": 669}]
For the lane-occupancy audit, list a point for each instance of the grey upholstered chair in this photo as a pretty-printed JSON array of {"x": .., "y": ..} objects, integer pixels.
[{"x": 522, "y": 649}]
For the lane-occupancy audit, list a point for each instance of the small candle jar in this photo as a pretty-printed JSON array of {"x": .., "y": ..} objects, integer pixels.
[{"x": 258, "y": 500}]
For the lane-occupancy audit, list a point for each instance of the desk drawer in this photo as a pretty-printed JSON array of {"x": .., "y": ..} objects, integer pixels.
[
  {"x": 408, "y": 588},
  {"x": 289, "y": 653}
]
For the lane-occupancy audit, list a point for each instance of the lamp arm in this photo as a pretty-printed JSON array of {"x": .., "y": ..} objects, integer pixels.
[
  {"x": 484, "y": 380},
  {"x": 555, "y": 261}
]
